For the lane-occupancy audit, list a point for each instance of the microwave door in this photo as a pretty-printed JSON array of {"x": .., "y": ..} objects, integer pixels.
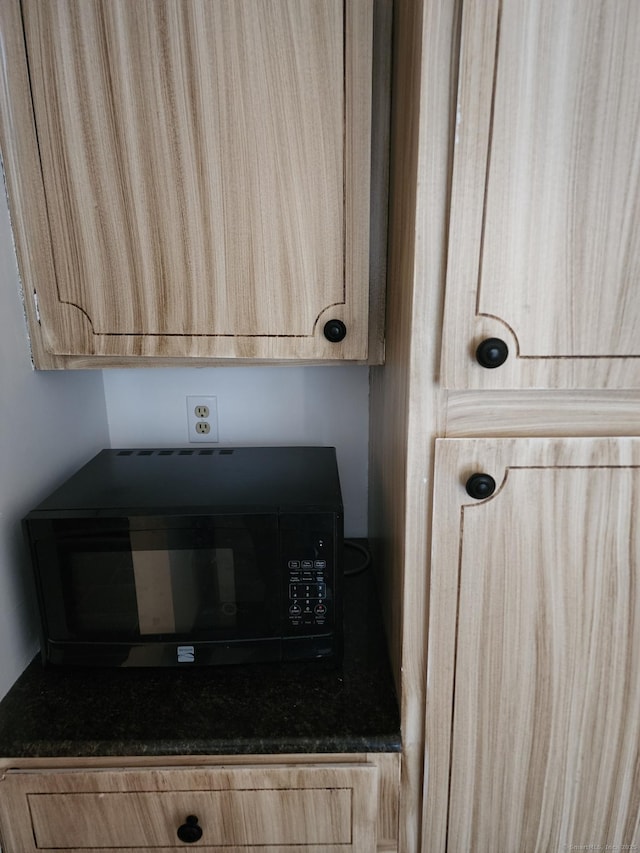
[{"x": 214, "y": 580}]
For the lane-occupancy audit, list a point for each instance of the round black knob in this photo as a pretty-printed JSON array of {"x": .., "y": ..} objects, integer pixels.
[
  {"x": 190, "y": 831},
  {"x": 335, "y": 331},
  {"x": 480, "y": 486},
  {"x": 492, "y": 352}
]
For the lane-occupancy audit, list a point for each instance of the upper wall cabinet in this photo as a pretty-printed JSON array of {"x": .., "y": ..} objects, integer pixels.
[
  {"x": 191, "y": 178},
  {"x": 544, "y": 254}
]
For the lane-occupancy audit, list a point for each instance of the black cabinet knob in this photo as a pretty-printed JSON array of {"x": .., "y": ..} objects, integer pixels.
[
  {"x": 492, "y": 352},
  {"x": 480, "y": 486},
  {"x": 335, "y": 331},
  {"x": 190, "y": 831}
]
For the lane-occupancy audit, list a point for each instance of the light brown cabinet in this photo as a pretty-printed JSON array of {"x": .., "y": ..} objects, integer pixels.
[
  {"x": 535, "y": 632},
  {"x": 532, "y": 692},
  {"x": 191, "y": 179},
  {"x": 513, "y": 619},
  {"x": 544, "y": 246},
  {"x": 287, "y": 805}
]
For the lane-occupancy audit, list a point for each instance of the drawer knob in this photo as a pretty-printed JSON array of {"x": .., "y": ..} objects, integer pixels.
[
  {"x": 480, "y": 486},
  {"x": 492, "y": 352},
  {"x": 335, "y": 331},
  {"x": 190, "y": 831}
]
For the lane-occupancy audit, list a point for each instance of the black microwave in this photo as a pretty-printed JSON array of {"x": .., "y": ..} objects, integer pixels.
[{"x": 186, "y": 557}]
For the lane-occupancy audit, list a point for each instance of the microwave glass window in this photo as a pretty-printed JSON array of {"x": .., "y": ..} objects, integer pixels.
[
  {"x": 100, "y": 592},
  {"x": 169, "y": 583},
  {"x": 184, "y": 590}
]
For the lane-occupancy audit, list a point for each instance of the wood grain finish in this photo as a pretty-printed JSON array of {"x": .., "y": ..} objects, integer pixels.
[
  {"x": 410, "y": 409},
  {"x": 529, "y": 413},
  {"x": 298, "y": 808},
  {"x": 544, "y": 250},
  {"x": 535, "y": 632},
  {"x": 387, "y": 766},
  {"x": 406, "y": 405},
  {"x": 205, "y": 174}
]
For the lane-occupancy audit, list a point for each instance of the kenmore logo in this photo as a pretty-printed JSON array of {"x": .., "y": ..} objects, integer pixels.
[{"x": 186, "y": 654}]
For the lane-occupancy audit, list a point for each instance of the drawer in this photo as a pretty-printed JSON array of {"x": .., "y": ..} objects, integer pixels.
[{"x": 321, "y": 808}]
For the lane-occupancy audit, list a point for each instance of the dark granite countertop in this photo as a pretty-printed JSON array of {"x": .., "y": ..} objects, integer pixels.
[{"x": 249, "y": 709}]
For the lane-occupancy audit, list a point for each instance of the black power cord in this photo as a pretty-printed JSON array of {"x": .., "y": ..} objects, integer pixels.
[{"x": 364, "y": 551}]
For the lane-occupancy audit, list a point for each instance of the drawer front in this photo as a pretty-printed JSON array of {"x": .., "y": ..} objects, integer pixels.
[
  {"x": 241, "y": 818},
  {"x": 322, "y": 808}
]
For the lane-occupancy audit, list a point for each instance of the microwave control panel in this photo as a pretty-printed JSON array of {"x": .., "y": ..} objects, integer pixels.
[
  {"x": 310, "y": 598},
  {"x": 307, "y": 600}
]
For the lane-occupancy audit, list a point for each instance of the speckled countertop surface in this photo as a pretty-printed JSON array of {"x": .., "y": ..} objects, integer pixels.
[{"x": 249, "y": 709}]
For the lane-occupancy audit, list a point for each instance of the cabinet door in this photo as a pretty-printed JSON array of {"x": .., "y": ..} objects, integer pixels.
[
  {"x": 545, "y": 219},
  {"x": 197, "y": 175},
  {"x": 533, "y": 707},
  {"x": 306, "y": 808}
]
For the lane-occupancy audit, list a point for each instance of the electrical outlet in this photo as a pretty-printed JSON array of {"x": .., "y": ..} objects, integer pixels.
[{"x": 202, "y": 419}]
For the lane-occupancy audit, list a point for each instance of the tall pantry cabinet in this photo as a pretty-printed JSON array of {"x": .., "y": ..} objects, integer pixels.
[{"x": 514, "y": 321}]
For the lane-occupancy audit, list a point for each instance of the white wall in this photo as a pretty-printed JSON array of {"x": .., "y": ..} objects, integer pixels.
[
  {"x": 265, "y": 405},
  {"x": 50, "y": 423}
]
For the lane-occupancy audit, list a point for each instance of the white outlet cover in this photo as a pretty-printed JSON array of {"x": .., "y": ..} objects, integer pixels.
[{"x": 193, "y": 402}]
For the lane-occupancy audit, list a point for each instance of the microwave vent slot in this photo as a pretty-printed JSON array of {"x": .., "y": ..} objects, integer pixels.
[{"x": 208, "y": 451}]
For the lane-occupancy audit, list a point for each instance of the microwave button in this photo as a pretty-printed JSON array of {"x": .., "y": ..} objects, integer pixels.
[
  {"x": 295, "y": 610},
  {"x": 307, "y": 564},
  {"x": 294, "y": 564},
  {"x": 307, "y": 590},
  {"x": 320, "y": 609},
  {"x": 320, "y": 564}
]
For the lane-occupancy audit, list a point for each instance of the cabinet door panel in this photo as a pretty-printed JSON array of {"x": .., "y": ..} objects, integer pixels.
[
  {"x": 536, "y": 635},
  {"x": 199, "y": 175},
  {"x": 545, "y": 222}
]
